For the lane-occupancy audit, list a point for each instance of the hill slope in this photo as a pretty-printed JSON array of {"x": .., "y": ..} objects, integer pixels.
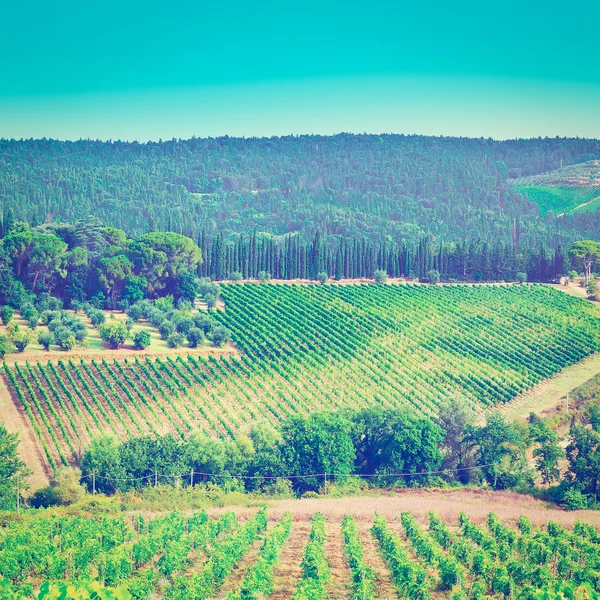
[
  {"x": 311, "y": 347},
  {"x": 358, "y": 186}
]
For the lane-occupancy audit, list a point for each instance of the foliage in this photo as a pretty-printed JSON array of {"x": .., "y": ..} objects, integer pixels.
[
  {"x": 142, "y": 339},
  {"x": 114, "y": 333}
]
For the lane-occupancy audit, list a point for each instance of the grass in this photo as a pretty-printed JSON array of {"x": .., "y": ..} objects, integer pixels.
[{"x": 562, "y": 199}]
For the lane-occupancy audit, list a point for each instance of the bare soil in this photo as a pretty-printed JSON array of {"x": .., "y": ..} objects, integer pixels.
[{"x": 29, "y": 450}]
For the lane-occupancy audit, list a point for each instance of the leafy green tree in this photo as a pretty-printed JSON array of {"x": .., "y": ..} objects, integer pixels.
[
  {"x": 500, "y": 451},
  {"x": 6, "y": 346},
  {"x": 454, "y": 417},
  {"x": 320, "y": 443},
  {"x": 114, "y": 333},
  {"x": 175, "y": 339},
  {"x": 390, "y": 441},
  {"x": 587, "y": 252},
  {"x": 195, "y": 337},
  {"x": 548, "y": 450},
  {"x": 45, "y": 339},
  {"x": 583, "y": 454},
  {"x": 220, "y": 336},
  {"x": 322, "y": 277},
  {"x": 6, "y": 314},
  {"x": 521, "y": 277},
  {"x": 161, "y": 257},
  {"x": 113, "y": 273},
  {"x": 21, "y": 338},
  {"x": 142, "y": 339},
  {"x": 11, "y": 466},
  {"x": 187, "y": 286},
  {"x": 102, "y": 458}
]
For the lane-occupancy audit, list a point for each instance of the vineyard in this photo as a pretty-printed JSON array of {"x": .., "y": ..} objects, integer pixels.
[
  {"x": 198, "y": 556},
  {"x": 307, "y": 347},
  {"x": 563, "y": 200}
]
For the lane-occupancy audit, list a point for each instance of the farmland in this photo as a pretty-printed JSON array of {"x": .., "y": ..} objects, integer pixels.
[
  {"x": 562, "y": 200},
  {"x": 283, "y": 554},
  {"x": 308, "y": 347}
]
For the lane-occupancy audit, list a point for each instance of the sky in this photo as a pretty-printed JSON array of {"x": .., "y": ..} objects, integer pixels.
[{"x": 134, "y": 70}]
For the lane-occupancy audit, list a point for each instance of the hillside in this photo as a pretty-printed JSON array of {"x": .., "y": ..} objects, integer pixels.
[
  {"x": 309, "y": 347},
  {"x": 571, "y": 189},
  {"x": 352, "y": 186}
]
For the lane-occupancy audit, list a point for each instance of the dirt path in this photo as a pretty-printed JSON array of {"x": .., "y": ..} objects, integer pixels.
[
  {"x": 288, "y": 571},
  {"x": 341, "y": 582},
  {"x": 30, "y": 453},
  {"x": 373, "y": 559},
  {"x": 550, "y": 395},
  {"x": 124, "y": 352},
  {"x": 447, "y": 504},
  {"x": 234, "y": 580}
]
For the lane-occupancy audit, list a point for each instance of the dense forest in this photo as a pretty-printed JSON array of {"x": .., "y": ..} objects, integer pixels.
[
  {"x": 116, "y": 221},
  {"x": 357, "y": 187}
]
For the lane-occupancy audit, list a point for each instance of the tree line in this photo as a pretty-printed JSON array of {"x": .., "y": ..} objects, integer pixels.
[
  {"x": 374, "y": 446},
  {"x": 89, "y": 262}
]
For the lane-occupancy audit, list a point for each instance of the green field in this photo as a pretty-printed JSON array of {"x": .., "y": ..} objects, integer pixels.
[
  {"x": 179, "y": 557},
  {"x": 562, "y": 199},
  {"x": 310, "y": 347}
]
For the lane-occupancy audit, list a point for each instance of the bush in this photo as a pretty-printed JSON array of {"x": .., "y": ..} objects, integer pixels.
[
  {"x": 264, "y": 276},
  {"x": 236, "y": 276},
  {"x": 433, "y": 276},
  {"x": 220, "y": 336},
  {"x": 6, "y": 314},
  {"x": 135, "y": 312},
  {"x": 184, "y": 323},
  {"x": 166, "y": 328},
  {"x": 142, "y": 339},
  {"x": 521, "y": 277},
  {"x": 97, "y": 318},
  {"x": 6, "y": 346},
  {"x": 114, "y": 333},
  {"x": 64, "y": 490},
  {"x": 211, "y": 300},
  {"x": 574, "y": 500},
  {"x": 380, "y": 276},
  {"x": 68, "y": 342},
  {"x": 21, "y": 339},
  {"x": 195, "y": 337},
  {"x": 27, "y": 311},
  {"x": 204, "y": 322},
  {"x": 33, "y": 321},
  {"x": 175, "y": 340},
  {"x": 322, "y": 277},
  {"x": 45, "y": 339}
]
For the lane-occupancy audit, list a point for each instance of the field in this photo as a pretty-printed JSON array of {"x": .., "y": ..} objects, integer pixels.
[
  {"x": 562, "y": 199},
  {"x": 304, "y": 553},
  {"x": 310, "y": 347}
]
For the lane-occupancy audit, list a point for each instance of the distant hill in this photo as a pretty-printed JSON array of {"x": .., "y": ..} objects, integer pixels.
[{"x": 373, "y": 187}]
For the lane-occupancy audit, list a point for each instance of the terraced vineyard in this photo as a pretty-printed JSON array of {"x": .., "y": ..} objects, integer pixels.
[
  {"x": 180, "y": 557},
  {"x": 307, "y": 347}
]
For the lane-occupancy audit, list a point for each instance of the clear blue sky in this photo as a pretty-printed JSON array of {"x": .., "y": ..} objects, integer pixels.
[{"x": 149, "y": 70}]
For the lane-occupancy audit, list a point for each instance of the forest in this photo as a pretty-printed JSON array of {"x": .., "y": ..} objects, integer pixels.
[{"x": 367, "y": 190}]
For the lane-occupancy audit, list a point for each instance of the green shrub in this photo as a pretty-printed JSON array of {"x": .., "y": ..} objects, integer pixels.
[{"x": 142, "y": 339}]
